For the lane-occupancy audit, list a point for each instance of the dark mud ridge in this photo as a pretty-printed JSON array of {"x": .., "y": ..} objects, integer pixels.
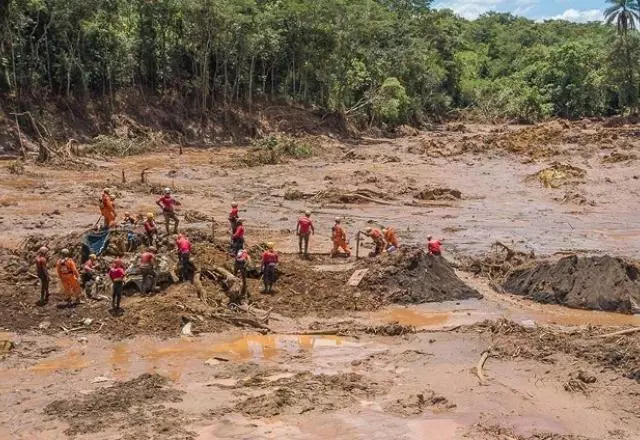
[
  {"x": 596, "y": 283},
  {"x": 410, "y": 276}
]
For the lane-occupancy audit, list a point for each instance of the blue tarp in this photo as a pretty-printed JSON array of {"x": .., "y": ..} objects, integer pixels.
[{"x": 94, "y": 243}]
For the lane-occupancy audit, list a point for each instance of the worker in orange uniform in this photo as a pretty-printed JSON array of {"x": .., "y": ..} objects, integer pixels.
[
  {"x": 151, "y": 229},
  {"x": 269, "y": 266},
  {"x": 43, "y": 274},
  {"x": 378, "y": 240},
  {"x": 434, "y": 246},
  {"x": 148, "y": 271},
  {"x": 390, "y": 238},
  {"x": 304, "y": 229},
  {"x": 237, "y": 239},
  {"x": 168, "y": 205},
  {"x": 234, "y": 215},
  {"x": 242, "y": 260},
  {"x": 107, "y": 208},
  {"x": 68, "y": 274},
  {"x": 89, "y": 274},
  {"x": 339, "y": 237}
]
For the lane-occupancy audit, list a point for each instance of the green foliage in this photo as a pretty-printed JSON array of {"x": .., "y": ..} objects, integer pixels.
[
  {"x": 381, "y": 61},
  {"x": 275, "y": 149},
  {"x": 106, "y": 145}
]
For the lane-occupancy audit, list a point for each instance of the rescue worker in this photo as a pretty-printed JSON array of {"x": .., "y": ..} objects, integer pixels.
[
  {"x": 269, "y": 265},
  {"x": 116, "y": 273},
  {"x": 339, "y": 237},
  {"x": 237, "y": 239},
  {"x": 168, "y": 205},
  {"x": 184, "y": 252},
  {"x": 68, "y": 274},
  {"x": 378, "y": 241},
  {"x": 242, "y": 260},
  {"x": 304, "y": 229},
  {"x": 107, "y": 209},
  {"x": 434, "y": 246},
  {"x": 151, "y": 229},
  {"x": 43, "y": 274},
  {"x": 89, "y": 274},
  {"x": 234, "y": 215},
  {"x": 390, "y": 238},
  {"x": 147, "y": 269},
  {"x": 128, "y": 224}
]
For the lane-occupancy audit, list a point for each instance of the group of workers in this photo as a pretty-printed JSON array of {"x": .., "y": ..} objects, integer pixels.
[{"x": 73, "y": 282}]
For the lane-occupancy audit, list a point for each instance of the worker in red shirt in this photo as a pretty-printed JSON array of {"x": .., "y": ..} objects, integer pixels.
[
  {"x": 89, "y": 274},
  {"x": 242, "y": 260},
  {"x": 184, "y": 253},
  {"x": 378, "y": 240},
  {"x": 168, "y": 205},
  {"x": 43, "y": 274},
  {"x": 304, "y": 229},
  {"x": 269, "y": 266},
  {"x": 116, "y": 273},
  {"x": 237, "y": 239},
  {"x": 151, "y": 229},
  {"x": 434, "y": 246},
  {"x": 234, "y": 215},
  {"x": 147, "y": 269}
]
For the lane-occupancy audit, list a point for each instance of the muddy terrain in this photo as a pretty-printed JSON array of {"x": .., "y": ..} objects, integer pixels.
[{"x": 509, "y": 335}]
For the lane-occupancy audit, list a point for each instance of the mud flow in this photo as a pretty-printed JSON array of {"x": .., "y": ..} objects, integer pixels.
[{"x": 525, "y": 327}]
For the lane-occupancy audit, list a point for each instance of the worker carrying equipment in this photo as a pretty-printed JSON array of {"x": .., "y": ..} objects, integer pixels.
[
  {"x": 304, "y": 229},
  {"x": 234, "y": 215},
  {"x": 390, "y": 238},
  {"x": 378, "y": 241},
  {"x": 107, "y": 208},
  {"x": 43, "y": 274},
  {"x": 68, "y": 274},
  {"x": 434, "y": 247},
  {"x": 269, "y": 266},
  {"x": 339, "y": 238},
  {"x": 168, "y": 205}
]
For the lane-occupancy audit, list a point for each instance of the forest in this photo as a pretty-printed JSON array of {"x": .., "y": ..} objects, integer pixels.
[{"x": 376, "y": 61}]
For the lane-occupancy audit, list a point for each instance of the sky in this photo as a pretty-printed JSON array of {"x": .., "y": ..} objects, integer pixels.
[{"x": 572, "y": 10}]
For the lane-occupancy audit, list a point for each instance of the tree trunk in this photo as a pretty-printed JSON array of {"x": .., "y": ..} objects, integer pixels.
[{"x": 251, "y": 68}]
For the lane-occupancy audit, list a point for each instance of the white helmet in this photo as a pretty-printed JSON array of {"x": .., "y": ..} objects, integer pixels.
[{"x": 167, "y": 190}]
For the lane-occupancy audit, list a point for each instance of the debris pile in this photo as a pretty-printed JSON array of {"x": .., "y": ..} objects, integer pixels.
[
  {"x": 438, "y": 193},
  {"x": 498, "y": 262},
  {"x": 559, "y": 174},
  {"x": 596, "y": 283},
  {"x": 410, "y": 276}
]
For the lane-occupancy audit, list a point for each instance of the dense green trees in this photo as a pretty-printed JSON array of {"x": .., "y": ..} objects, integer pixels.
[{"x": 378, "y": 61}]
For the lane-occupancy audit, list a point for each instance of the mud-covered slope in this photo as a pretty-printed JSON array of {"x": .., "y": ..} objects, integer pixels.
[
  {"x": 410, "y": 276},
  {"x": 597, "y": 283}
]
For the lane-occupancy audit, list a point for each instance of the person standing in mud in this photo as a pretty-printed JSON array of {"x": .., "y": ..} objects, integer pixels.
[
  {"x": 234, "y": 215},
  {"x": 184, "y": 252},
  {"x": 116, "y": 273},
  {"x": 168, "y": 205},
  {"x": 147, "y": 269},
  {"x": 107, "y": 208},
  {"x": 68, "y": 274},
  {"x": 242, "y": 259},
  {"x": 339, "y": 238},
  {"x": 304, "y": 229},
  {"x": 43, "y": 274},
  {"x": 89, "y": 275},
  {"x": 269, "y": 266},
  {"x": 378, "y": 241},
  {"x": 237, "y": 239},
  {"x": 151, "y": 229}
]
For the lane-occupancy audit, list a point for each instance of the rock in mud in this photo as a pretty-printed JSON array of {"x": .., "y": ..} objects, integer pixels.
[
  {"x": 595, "y": 283},
  {"x": 410, "y": 276}
]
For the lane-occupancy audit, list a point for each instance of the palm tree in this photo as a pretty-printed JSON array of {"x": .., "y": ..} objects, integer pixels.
[{"x": 626, "y": 16}]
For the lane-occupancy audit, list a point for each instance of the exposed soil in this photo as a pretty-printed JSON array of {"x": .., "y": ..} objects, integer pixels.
[
  {"x": 596, "y": 283},
  {"x": 419, "y": 403}
]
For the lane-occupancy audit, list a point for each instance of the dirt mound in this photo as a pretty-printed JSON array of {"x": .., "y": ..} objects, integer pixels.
[
  {"x": 596, "y": 283},
  {"x": 307, "y": 392},
  {"x": 410, "y": 276},
  {"x": 414, "y": 405},
  {"x": 123, "y": 406},
  {"x": 559, "y": 174}
]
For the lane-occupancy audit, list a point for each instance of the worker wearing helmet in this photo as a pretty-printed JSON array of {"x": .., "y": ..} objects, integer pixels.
[
  {"x": 89, "y": 274},
  {"x": 242, "y": 259},
  {"x": 269, "y": 267},
  {"x": 304, "y": 229},
  {"x": 68, "y": 274},
  {"x": 42, "y": 271},
  {"x": 168, "y": 205},
  {"x": 151, "y": 229},
  {"x": 378, "y": 240},
  {"x": 339, "y": 238},
  {"x": 107, "y": 208},
  {"x": 234, "y": 215}
]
